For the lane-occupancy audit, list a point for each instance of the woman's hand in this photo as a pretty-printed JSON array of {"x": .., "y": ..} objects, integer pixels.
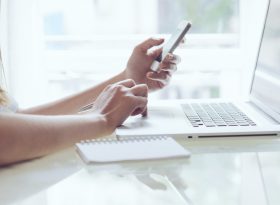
[
  {"x": 138, "y": 66},
  {"x": 118, "y": 101}
]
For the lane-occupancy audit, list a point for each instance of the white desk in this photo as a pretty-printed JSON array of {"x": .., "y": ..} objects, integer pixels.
[{"x": 220, "y": 171}]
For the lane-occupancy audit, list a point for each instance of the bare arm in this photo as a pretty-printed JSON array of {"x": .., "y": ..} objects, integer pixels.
[
  {"x": 138, "y": 69},
  {"x": 28, "y": 136},
  {"x": 73, "y": 104},
  {"x": 25, "y": 136}
]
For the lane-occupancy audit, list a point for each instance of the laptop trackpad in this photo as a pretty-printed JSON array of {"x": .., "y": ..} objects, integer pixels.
[{"x": 160, "y": 121}]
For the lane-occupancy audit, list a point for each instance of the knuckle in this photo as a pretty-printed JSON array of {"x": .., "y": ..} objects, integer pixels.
[
  {"x": 137, "y": 48},
  {"x": 120, "y": 89},
  {"x": 131, "y": 81},
  {"x": 117, "y": 89},
  {"x": 144, "y": 88}
]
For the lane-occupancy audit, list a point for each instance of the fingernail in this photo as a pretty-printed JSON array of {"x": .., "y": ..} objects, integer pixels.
[{"x": 170, "y": 57}]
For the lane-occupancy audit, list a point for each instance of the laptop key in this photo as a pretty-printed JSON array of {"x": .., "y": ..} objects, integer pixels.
[
  {"x": 222, "y": 124},
  {"x": 216, "y": 114},
  {"x": 210, "y": 125}
]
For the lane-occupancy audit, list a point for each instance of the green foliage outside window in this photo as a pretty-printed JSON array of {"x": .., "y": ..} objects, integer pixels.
[{"x": 207, "y": 16}]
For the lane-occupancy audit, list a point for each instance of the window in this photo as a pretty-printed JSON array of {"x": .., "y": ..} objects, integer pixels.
[
  {"x": 89, "y": 24},
  {"x": 81, "y": 42},
  {"x": 64, "y": 17}
]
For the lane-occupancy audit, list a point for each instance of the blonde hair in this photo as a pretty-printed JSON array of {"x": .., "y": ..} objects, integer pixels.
[{"x": 3, "y": 97}]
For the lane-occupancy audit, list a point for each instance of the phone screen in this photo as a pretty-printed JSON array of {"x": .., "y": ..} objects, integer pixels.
[
  {"x": 175, "y": 40},
  {"x": 172, "y": 43}
]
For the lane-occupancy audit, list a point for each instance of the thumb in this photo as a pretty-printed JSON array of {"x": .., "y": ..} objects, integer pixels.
[{"x": 151, "y": 42}]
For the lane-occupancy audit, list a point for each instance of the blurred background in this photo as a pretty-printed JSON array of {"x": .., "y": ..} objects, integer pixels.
[{"x": 58, "y": 47}]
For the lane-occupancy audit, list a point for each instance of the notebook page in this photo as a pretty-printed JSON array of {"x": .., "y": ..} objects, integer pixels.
[{"x": 131, "y": 150}]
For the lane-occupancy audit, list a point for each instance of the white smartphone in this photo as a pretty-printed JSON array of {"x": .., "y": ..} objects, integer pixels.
[{"x": 172, "y": 43}]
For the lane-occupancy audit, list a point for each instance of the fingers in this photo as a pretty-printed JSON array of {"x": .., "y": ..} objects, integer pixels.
[
  {"x": 121, "y": 100},
  {"x": 171, "y": 68},
  {"x": 129, "y": 83},
  {"x": 172, "y": 58},
  {"x": 141, "y": 91},
  {"x": 163, "y": 77},
  {"x": 170, "y": 63},
  {"x": 141, "y": 106},
  {"x": 151, "y": 42}
]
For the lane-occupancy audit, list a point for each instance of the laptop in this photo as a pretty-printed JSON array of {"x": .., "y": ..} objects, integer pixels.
[{"x": 257, "y": 116}]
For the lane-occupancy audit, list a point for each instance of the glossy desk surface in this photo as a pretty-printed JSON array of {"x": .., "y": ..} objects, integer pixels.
[{"x": 220, "y": 171}]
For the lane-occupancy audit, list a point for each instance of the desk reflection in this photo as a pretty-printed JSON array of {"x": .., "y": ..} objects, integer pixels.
[{"x": 231, "y": 178}]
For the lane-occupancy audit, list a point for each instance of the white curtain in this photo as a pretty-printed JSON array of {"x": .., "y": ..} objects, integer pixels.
[
  {"x": 21, "y": 41},
  {"x": 2, "y": 72}
]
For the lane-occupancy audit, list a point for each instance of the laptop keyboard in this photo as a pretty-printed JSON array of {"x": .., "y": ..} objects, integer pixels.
[{"x": 216, "y": 115}]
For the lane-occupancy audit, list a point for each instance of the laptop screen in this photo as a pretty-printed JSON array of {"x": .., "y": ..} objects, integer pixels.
[{"x": 266, "y": 82}]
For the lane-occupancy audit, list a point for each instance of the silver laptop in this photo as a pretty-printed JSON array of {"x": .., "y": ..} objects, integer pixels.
[{"x": 260, "y": 115}]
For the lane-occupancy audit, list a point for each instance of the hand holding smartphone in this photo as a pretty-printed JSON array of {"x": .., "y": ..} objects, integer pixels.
[{"x": 172, "y": 44}]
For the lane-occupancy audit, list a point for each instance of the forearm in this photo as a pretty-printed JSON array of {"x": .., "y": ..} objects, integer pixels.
[
  {"x": 25, "y": 137},
  {"x": 73, "y": 104}
]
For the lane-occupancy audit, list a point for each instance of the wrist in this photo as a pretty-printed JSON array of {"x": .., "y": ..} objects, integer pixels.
[
  {"x": 108, "y": 122},
  {"x": 98, "y": 125}
]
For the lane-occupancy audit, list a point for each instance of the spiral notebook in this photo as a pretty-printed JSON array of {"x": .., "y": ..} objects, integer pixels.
[{"x": 130, "y": 149}]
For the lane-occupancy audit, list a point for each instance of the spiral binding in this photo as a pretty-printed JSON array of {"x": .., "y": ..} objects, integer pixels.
[{"x": 124, "y": 140}]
